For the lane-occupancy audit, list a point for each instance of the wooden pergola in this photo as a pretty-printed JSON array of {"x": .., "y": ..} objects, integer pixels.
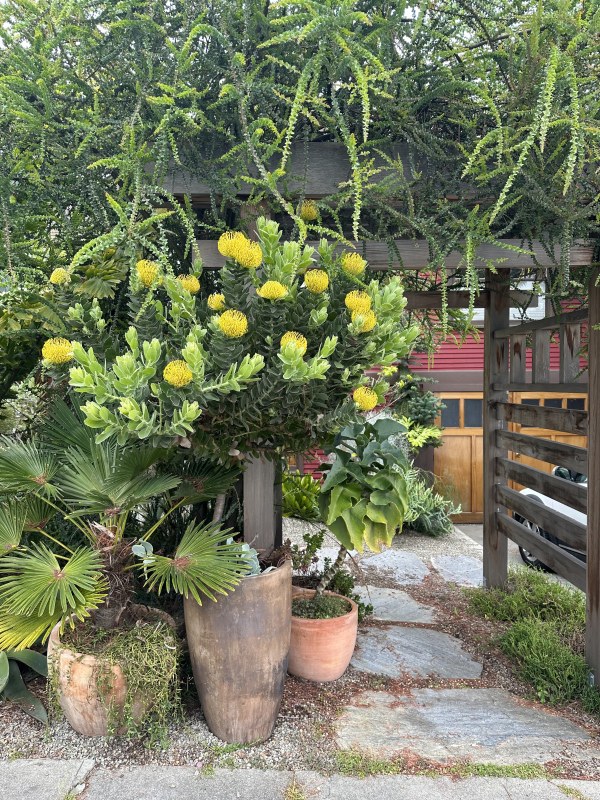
[{"x": 505, "y": 371}]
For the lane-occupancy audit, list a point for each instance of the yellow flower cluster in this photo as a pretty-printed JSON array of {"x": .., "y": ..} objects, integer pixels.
[
  {"x": 365, "y": 398},
  {"x": 147, "y": 270},
  {"x": 369, "y": 320},
  {"x": 358, "y": 301},
  {"x": 353, "y": 264},
  {"x": 237, "y": 246},
  {"x": 233, "y": 323},
  {"x": 316, "y": 280},
  {"x": 57, "y": 351},
  {"x": 216, "y": 302},
  {"x": 177, "y": 373},
  {"x": 297, "y": 340},
  {"x": 59, "y": 276},
  {"x": 308, "y": 211},
  {"x": 272, "y": 290},
  {"x": 189, "y": 282}
]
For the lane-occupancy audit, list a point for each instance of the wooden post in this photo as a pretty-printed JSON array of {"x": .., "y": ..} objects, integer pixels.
[
  {"x": 570, "y": 343},
  {"x": 495, "y": 543},
  {"x": 518, "y": 360},
  {"x": 540, "y": 360},
  {"x": 259, "y": 504},
  {"x": 592, "y": 626}
]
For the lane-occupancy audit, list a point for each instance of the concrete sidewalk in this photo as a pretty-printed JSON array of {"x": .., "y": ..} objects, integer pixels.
[{"x": 45, "y": 779}]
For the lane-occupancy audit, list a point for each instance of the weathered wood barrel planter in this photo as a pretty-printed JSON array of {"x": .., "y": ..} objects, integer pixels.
[{"x": 239, "y": 649}]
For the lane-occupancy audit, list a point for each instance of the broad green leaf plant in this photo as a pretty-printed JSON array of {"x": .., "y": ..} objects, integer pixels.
[
  {"x": 98, "y": 488},
  {"x": 272, "y": 361},
  {"x": 364, "y": 497}
]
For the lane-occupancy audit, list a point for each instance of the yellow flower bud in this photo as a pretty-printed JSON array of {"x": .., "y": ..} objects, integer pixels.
[
  {"x": 297, "y": 340},
  {"x": 216, "y": 302},
  {"x": 228, "y": 241},
  {"x": 365, "y": 398},
  {"x": 272, "y": 290},
  {"x": 57, "y": 351},
  {"x": 316, "y": 280},
  {"x": 189, "y": 282},
  {"x": 233, "y": 323},
  {"x": 59, "y": 276},
  {"x": 308, "y": 211},
  {"x": 147, "y": 270},
  {"x": 248, "y": 254},
  {"x": 177, "y": 373},
  {"x": 369, "y": 320},
  {"x": 353, "y": 264},
  {"x": 358, "y": 301}
]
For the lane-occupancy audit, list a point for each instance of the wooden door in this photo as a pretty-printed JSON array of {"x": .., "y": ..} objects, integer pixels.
[{"x": 458, "y": 463}]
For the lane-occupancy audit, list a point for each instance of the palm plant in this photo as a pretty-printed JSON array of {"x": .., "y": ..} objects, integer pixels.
[{"x": 101, "y": 489}]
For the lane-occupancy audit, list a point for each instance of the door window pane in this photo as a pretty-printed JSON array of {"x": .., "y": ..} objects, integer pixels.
[
  {"x": 473, "y": 413},
  {"x": 450, "y": 414},
  {"x": 576, "y": 403},
  {"x": 553, "y": 402}
]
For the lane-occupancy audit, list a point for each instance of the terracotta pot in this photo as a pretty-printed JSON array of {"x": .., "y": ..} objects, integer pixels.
[
  {"x": 239, "y": 650},
  {"x": 85, "y": 711},
  {"x": 321, "y": 649}
]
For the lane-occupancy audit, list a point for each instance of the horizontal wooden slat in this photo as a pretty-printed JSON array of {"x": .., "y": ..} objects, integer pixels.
[
  {"x": 557, "y": 388},
  {"x": 415, "y": 254},
  {"x": 557, "y": 419},
  {"x": 459, "y": 299},
  {"x": 548, "y": 323},
  {"x": 571, "y": 494},
  {"x": 570, "y": 532},
  {"x": 562, "y": 562},
  {"x": 558, "y": 453}
]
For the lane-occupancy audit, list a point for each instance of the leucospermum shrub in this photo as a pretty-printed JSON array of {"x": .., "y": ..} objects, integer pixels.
[{"x": 274, "y": 359}]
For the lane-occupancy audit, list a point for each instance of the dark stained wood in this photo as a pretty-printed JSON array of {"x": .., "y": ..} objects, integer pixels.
[
  {"x": 563, "y": 563},
  {"x": 415, "y": 255},
  {"x": 570, "y": 344},
  {"x": 592, "y": 636},
  {"x": 540, "y": 356},
  {"x": 558, "y": 453},
  {"x": 566, "y": 529},
  {"x": 518, "y": 358},
  {"x": 495, "y": 545},
  {"x": 458, "y": 299},
  {"x": 558, "y": 388},
  {"x": 571, "y": 494},
  {"x": 557, "y": 419},
  {"x": 259, "y": 504},
  {"x": 548, "y": 323}
]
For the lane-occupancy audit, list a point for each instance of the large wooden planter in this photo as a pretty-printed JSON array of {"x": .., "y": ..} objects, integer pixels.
[{"x": 239, "y": 648}]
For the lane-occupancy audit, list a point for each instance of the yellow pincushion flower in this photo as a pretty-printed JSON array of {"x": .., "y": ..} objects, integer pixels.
[
  {"x": 358, "y": 301},
  {"x": 233, "y": 323},
  {"x": 297, "y": 339},
  {"x": 177, "y": 373},
  {"x": 353, "y": 264},
  {"x": 228, "y": 241},
  {"x": 365, "y": 398},
  {"x": 308, "y": 211},
  {"x": 369, "y": 320},
  {"x": 316, "y": 280},
  {"x": 59, "y": 276},
  {"x": 189, "y": 282},
  {"x": 216, "y": 302},
  {"x": 57, "y": 351},
  {"x": 248, "y": 254},
  {"x": 147, "y": 270},
  {"x": 272, "y": 290}
]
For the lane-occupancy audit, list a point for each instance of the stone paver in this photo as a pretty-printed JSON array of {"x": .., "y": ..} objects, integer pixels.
[
  {"x": 589, "y": 789},
  {"x": 42, "y": 778},
  {"x": 404, "y": 568},
  {"x": 394, "y": 605},
  {"x": 463, "y": 570},
  {"x": 485, "y": 725},
  {"x": 417, "y": 651}
]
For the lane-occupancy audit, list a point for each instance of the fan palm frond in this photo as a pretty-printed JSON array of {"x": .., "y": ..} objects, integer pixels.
[
  {"x": 203, "y": 564},
  {"x": 203, "y": 480},
  {"x": 18, "y": 632},
  {"x": 66, "y": 429},
  {"x": 38, "y": 513},
  {"x": 12, "y": 522},
  {"x": 26, "y": 467},
  {"x": 33, "y": 583}
]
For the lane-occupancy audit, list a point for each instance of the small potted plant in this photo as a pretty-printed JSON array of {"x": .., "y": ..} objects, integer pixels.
[{"x": 363, "y": 500}]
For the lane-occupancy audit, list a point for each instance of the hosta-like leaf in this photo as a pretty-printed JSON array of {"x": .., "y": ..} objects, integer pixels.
[
  {"x": 354, "y": 519},
  {"x": 339, "y": 528},
  {"x": 32, "y": 659},
  {"x": 377, "y": 533},
  {"x": 342, "y": 497},
  {"x": 16, "y": 691}
]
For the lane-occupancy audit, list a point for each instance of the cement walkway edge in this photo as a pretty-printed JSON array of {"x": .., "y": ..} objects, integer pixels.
[{"x": 45, "y": 779}]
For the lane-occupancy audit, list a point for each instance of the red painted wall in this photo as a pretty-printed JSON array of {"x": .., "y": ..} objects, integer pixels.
[{"x": 468, "y": 356}]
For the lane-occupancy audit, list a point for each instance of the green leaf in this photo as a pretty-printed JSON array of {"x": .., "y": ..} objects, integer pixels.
[
  {"x": 388, "y": 427},
  {"x": 337, "y": 474},
  {"x": 375, "y": 533},
  {"x": 339, "y": 528},
  {"x": 342, "y": 497},
  {"x": 354, "y": 519},
  {"x": 16, "y": 691},
  {"x": 3, "y": 670},
  {"x": 33, "y": 659}
]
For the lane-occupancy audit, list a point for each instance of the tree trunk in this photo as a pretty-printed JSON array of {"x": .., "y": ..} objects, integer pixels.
[{"x": 328, "y": 574}]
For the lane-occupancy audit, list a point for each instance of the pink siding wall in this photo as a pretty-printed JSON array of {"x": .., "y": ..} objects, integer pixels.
[{"x": 468, "y": 356}]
